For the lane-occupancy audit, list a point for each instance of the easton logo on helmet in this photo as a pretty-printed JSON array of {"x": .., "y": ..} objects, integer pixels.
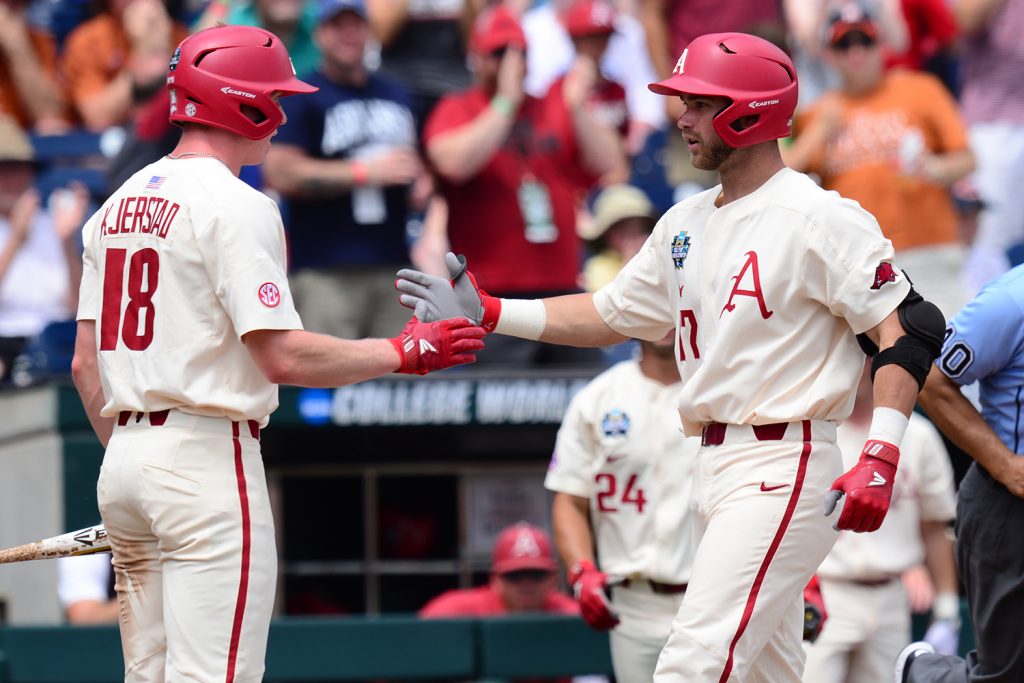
[
  {"x": 883, "y": 273},
  {"x": 228, "y": 90},
  {"x": 762, "y": 103}
]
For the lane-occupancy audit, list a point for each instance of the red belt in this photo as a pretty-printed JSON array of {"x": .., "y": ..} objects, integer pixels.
[
  {"x": 659, "y": 587},
  {"x": 156, "y": 419},
  {"x": 159, "y": 417},
  {"x": 714, "y": 432}
]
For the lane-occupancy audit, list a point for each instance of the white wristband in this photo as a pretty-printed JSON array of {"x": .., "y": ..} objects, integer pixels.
[
  {"x": 888, "y": 425},
  {"x": 523, "y": 318},
  {"x": 946, "y": 607}
]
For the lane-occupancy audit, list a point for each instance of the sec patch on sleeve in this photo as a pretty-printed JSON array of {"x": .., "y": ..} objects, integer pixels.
[{"x": 270, "y": 295}]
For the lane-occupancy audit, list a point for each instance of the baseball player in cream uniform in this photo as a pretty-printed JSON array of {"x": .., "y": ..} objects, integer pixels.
[
  {"x": 767, "y": 281},
  {"x": 621, "y": 473},
  {"x": 186, "y": 325},
  {"x": 863, "y": 578}
]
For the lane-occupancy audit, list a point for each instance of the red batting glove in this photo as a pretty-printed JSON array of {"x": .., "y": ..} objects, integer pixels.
[
  {"x": 867, "y": 487},
  {"x": 815, "y": 614},
  {"x": 588, "y": 585},
  {"x": 438, "y": 345}
]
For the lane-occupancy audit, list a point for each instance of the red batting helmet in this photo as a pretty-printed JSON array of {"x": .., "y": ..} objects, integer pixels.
[
  {"x": 214, "y": 72},
  {"x": 758, "y": 77}
]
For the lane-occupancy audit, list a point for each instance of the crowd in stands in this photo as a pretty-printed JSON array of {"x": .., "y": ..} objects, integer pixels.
[{"x": 496, "y": 127}]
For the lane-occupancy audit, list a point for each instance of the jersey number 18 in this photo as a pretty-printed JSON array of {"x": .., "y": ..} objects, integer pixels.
[{"x": 143, "y": 272}]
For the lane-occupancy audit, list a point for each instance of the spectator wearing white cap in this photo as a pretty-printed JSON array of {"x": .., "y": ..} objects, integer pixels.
[{"x": 623, "y": 218}]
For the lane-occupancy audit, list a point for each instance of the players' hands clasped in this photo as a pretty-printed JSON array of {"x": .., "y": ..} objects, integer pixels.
[
  {"x": 588, "y": 586},
  {"x": 867, "y": 487},
  {"x": 424, "y": 346},
  {"x": 435, "y": 298}
]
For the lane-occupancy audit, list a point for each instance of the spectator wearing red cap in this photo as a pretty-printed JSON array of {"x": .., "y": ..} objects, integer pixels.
[
  {"x": 567, "y": 28},
  {"x": 522, "y": 580},
  {"x": 513, "y": 170},
  {"x": 893, "y": 141}
]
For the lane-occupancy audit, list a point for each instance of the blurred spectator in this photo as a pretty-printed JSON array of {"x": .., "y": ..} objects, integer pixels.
[
  {"x": 293, "y": 21},
  {"x": 872, "y": 582},
  {"x": 992, "y": 98},
  {"x": 623, "y": 220},
  {"x": 513, "y": 170},
  {"x": 614, "y": 40},
  {"x": 931, "y": 39},
  {"x": 807, "y": 22},
  {"x": 345, "y": 161},
  {"x": 523, "y": 572},
  {"x": 117, "y": 61},
  {"x": 40, "y": 256},
  {"x": 423, "y": 46},
  {"x": 670, "y": 25},
  {"x": 894, "y": 142},
  {"x": 29, "y": 92},
  {"x": 86, "y": 589}
]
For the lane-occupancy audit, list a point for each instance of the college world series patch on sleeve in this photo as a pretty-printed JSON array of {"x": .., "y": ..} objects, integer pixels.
[
  {"x": 270, "y": 295},
  {"x": 680, "y": 248}
]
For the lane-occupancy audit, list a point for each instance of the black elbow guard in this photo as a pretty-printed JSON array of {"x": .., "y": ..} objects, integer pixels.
[{"x": 915, "y": 351}]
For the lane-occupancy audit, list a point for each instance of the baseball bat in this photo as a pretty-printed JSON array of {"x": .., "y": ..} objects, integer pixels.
[{"x": 88, "y": 541}]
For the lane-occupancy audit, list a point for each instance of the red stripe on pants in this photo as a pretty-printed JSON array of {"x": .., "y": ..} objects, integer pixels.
[
  {"x": 748, "y": 610},
  {"x": 243, "y": 583}
]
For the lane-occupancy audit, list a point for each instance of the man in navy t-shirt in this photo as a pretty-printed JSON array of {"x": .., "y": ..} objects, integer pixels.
[{"x": 346, "y": 162}]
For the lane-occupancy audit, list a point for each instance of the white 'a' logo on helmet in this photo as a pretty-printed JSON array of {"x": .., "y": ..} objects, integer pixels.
[{"x": 679, "y": 64}]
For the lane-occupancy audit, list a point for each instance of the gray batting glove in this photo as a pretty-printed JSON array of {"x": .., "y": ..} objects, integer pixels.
[{"x": 434, "y": 298}]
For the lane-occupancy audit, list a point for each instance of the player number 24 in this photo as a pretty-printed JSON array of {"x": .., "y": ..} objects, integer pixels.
[
  {"x": 607, "y": 499},
  {"x": 143, "y": 272}
]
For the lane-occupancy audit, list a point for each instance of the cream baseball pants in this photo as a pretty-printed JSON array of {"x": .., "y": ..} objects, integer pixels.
[
  {"x": 760, "y": 498},
  {"x": 184, "y": 500}
]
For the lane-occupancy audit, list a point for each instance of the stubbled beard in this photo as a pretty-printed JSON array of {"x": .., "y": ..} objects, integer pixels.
[{"x": 714, "y": 154}]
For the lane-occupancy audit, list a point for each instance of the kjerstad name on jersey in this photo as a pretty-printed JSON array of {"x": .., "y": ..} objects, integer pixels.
[{"x": 140, "y": 215}]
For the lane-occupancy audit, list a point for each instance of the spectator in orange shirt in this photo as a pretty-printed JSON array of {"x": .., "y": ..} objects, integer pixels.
[
  {"x": 28, "y": 86},
  {"x": 117, "y": 61},
  {"x": 893, "y": 141},
  {"x": 523, "y": 572}
]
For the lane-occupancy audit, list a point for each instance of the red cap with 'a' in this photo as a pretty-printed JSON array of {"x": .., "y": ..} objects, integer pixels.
[
  {"x": 590, "y": 18},
  {"x": 523, "y": 546}
]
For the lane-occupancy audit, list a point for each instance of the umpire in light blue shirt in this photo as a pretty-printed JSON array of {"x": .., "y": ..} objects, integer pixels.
[{"x": 985, "y": 344}]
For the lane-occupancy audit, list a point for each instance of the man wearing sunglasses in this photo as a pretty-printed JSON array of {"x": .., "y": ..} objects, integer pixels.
[{"x": 893, "y": 141}]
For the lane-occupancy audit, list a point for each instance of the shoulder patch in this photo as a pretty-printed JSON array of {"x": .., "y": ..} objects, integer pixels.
[
  {"x": 680, "y": 248},
  {"x": 269, "y": 295},
  {"x": 615, "y": 423},
  {"x": 883, "y": 273}
]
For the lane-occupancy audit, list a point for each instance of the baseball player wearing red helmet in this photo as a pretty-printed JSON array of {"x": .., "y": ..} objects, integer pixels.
[
  {"x": 185, "y": 327},
  {"x": 769, "y": 283}
]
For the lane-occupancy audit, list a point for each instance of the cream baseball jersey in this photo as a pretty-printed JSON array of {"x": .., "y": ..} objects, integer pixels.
[
  {"x": 766, "y": 294},
  {"x": 621, "y": 446},
  {"x": 179, "y": 263},
  {"x": 922, "y": 491}
]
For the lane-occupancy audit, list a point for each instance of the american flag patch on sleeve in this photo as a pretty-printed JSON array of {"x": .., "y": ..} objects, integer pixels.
[{"x": 155, "y": 182}]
